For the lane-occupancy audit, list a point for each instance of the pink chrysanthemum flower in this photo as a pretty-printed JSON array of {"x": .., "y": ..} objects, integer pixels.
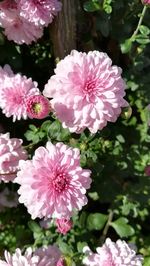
[
  {"x": 28, "y": 259},
  {"x": 87, "y": 91},
  {"x": 15, "y": 28},
  {"x": 39, "y": 12},
  {"x": 48, "y": 256},
  {"x": 63, "y": 225},
  {"x": 53, "y": 184},
  {"x": 11, "y": 151},
  {"x": 113, "y": 254},
  {"x": 14, "y": 92},
  {"x": 37, "y": 106}
]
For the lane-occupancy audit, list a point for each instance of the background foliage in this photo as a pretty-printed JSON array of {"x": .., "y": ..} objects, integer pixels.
[{"x": 119, "y": 204}]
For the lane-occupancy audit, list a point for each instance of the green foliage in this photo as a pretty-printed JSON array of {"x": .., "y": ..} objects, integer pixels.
[
  {"x": 122, "y": 227},
  {"x": 96, "y": 221}
]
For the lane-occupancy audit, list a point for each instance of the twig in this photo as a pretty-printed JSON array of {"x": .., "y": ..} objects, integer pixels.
[{"x": 139, "y": 23}]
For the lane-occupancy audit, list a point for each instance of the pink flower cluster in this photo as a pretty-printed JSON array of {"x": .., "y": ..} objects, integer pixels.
[
  {"x": 49, "y": 256},
  {"x": 20, "y": 97},
  {"x": 11, "y": 151},
  {"x": 53, "y": 184},
  {"x": 63, "y": 225},
  {"x": 87, "y": 91},
  {"x": 113, "y": 254},
  {"x": 23, "y": 20}
]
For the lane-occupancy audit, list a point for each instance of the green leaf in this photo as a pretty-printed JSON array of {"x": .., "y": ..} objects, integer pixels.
[
  {"x": 144, "y": 30},
  {"x": 65, "y": 248},
  {"x": 126, "y": 46},
  {"x": 122, "y": 228},
  {"x": 96, "y": 221},
  {"x": 146, "y": 261},
  {"x": 120, "y": 138},
  {"x": 91, "y": 6},
  {"x": 34, "y": 227},
  {"x": 142, "y": 39},
  {"x": 81, "y": 245}
]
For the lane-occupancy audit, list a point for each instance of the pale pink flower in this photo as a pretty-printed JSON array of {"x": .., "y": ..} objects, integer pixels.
[
  {"x": 14, "y": 92},
  {"x": 41, "y": 257},
  {"x": 87, "y": 91},
  {"x": 63, "y": 225},
  {"x": 37, "y": 106},
  {"x": 48, "y": 256},
  {"x": 11, "y": 151},
  {"x": 113, "y": 254},
  {"x": 17, "y": 259},
  {"x": 8, "y": 199},
  {"x": 15, "y": 28},
  {"x": 39, "y": 12},
  {"x": 6, "y": 71},
  {"x": 53, "y": 184}
]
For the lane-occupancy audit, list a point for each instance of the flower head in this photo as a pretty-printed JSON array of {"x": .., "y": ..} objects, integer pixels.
[
  {"x": 41, "y": 257},
  {"x": 15, "y": 28},
  {"x": 39, "y": 12},
  {"x": 63, "y": 225},
  {"x": 87, "y": 91},
  {"x": 48, "y": 256},
  {"x": 14, "y": 91},
  {"x": 28, "y": 259},
  {"x": 11, "y": 151},
  {"x": 53, "y": 184},
  {"x": 37, "y": 106},
  {"x": 112, "y": 254}
]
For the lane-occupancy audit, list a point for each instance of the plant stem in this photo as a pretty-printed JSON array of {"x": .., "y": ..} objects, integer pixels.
[
  {"x": 106, "y": 228},
  {"x": 139, "y": 23}
]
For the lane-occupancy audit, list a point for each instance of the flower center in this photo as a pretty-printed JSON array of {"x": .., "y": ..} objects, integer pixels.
[
  {"x": 60, "y": 182},
  {"x": 37, "y": 108},
  {"x": 90, "y": 88}
]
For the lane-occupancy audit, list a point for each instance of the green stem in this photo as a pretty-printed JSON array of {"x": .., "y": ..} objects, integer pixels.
[
  {"x": 139, "y": 23},
  {"x": 106, "y": 228}
]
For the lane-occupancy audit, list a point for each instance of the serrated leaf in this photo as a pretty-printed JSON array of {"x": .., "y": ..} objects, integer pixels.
[
  {"x": 96, "y": 221},
  {"x": 122, "y": 228}
]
